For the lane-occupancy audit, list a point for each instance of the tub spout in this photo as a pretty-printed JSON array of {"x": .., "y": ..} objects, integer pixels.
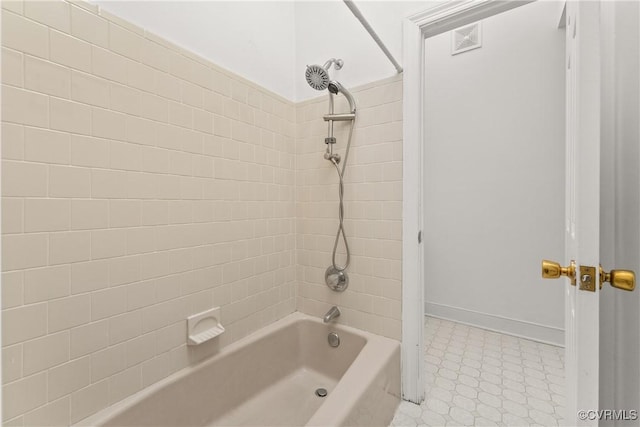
[{"x": 331, "y": 314}]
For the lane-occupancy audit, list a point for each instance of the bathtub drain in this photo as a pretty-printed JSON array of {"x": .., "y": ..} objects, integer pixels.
[{"x": 321, "y": 392}]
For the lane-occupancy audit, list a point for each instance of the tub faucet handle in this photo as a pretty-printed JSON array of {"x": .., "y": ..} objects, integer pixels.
[{"x": 331, "y": 314}]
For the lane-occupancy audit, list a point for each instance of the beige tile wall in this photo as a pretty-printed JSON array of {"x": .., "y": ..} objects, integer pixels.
[
  {"x": 140, "y": 184},
  {"x": 373, "y": 208}
]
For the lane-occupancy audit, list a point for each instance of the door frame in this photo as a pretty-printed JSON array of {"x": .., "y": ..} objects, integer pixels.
[{"x": 416, "y": 29}]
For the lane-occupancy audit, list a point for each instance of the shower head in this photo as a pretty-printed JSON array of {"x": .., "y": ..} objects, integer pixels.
[
  {"x": 335, "y": 88},
  {"x": 318, "y": 76}
]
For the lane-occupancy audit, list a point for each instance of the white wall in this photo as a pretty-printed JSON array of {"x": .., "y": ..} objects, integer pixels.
[
  {"x": 494, "y": 170},
  {"x": 271, "y": 42},
  {"x": 254, "y": 39}
]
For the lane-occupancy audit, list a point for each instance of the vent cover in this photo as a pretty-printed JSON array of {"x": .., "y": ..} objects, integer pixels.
[{"x": 466, "y": 38}]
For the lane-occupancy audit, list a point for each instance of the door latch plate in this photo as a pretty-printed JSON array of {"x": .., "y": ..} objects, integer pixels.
[{"x": 588, "y": 278}]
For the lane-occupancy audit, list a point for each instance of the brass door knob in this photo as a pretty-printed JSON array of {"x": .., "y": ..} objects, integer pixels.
[
  {"x": 553, "y": 270},
  {"x": 621, "y": 279}
]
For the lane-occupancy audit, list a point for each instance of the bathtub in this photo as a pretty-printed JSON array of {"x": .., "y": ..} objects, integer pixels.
[{"x": 270, "y": 378}]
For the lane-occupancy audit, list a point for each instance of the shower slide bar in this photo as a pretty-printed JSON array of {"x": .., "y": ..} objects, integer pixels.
[{"x": 356, "y": 12}]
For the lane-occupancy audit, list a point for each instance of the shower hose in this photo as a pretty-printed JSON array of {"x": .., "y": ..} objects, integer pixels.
[{"x": 340, "y": 231}]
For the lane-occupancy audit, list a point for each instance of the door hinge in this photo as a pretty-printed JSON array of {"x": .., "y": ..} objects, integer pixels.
[{"x": 420, "y": 236}]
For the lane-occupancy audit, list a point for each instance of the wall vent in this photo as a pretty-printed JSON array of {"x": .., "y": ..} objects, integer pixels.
[{"x": 466, "y": 38}]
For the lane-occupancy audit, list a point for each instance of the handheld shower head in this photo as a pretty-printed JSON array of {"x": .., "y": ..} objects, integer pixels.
[
  {"x": 318, "y": 76},
  {"x": 335, "y": 88}
]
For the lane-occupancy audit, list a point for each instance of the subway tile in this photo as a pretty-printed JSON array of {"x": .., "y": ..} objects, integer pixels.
[
  {"x": 89, "y": 152},
  {"x": 191, "y": 94},
  {"x": 108, "y": 184},
  {"x": 70, "y": 51},
  {"x": 89, "y": 276},
  {"x": 155, "y": 160},
  {"x": 89, "y": 89},
  {"x": 155, "y": 212},
  {"x": 141, "y": 76},
  {"x": 12, "y": 289},
  {"x": 125, "y": 156},
  {"x": 46, "y": 146},
  {"x": 124, "y": 270},
  {"x": 154, "y": 55},
  {"x": 24, "y": 395},
  {"x": 11, "y": 363},
  {"x": 124, "y": 213},
  {"x": 140, "y": 349},
  {"x": 109, "y": 65},
  {"x": 142, "y": 185},
  {"x": 125, "y": 327},
  {"x": 108, "y": 303},
  {"x": 125, "y": 384},
  {"x": 24, "y": 323},
  {"x": 69, "y": 247},
  {"x": 69, "y": 181},
  {"x": 67, "y": 378},
  {"x": 141, "y": 240},
  {"x": 89, "y": 214},
  {"x": 54, "y": 413},
  {"x": 141, "y": 131},
  {"x": 108, "y": 124},
  {"x": 203, "y": 121},
  {"x": 52, "y": 13},
  {"x": 141, "y": 294},
  {"x": 108, "y": 243},
  {"x": 65, "y": 313},
  {"x": 124, "y": 99},
  {"x": 24, "y": 107},
  {"x": 46, "y": 77},
  {"x": 47, "y": 283},
  {"x": 170, "y": 337},
  {"x": 154, "y": 107},
  {"x": 89, "y": 400},
  {"x": 12, "y": 67},
  {"x": 16, "y": 6},
  {"x": 87, "y": 339},
  {"x": 168, "y": 86},
  {"x": 155, "y": 369},
  {"x": 154, "y": 265},
  {"x": 180, "y": 115},
  {"x": 124, "y": 42},
  {"x": 20, "y": 251},
  {"x": 108, "y": 362},
  {"x": 25, "y": 35},
  {"x": 12, "y": 141},
  {"x": 12, "y": 215},
  {"x": 89, "y": 27},
  {"x": 46, "y": 352},
  {"x": 46, "y": 215},
  {"x": 70, "y": 116}
]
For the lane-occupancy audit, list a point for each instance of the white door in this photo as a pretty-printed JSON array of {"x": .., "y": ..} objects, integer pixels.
[
  {"x": 582, "y": 207},
  {"x": 584, "y": 85}
]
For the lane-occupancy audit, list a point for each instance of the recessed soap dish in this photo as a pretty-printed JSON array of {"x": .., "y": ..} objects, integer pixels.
[{"x": 204, "y": 326}]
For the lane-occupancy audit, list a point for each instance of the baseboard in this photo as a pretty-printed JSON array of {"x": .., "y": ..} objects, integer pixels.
[{"x": 519, "y": 328}]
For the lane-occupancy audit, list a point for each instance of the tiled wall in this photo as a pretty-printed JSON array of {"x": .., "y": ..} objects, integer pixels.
[
  {"x": 140, "y": 184},
  {"x": 373, "y": 208}
]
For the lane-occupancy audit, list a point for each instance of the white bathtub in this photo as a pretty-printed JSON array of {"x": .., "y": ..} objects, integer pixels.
[{"x": 270, "y": 378}]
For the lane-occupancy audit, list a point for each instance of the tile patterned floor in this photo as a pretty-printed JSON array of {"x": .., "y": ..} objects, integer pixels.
[{"x": 482, "y": 378}]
